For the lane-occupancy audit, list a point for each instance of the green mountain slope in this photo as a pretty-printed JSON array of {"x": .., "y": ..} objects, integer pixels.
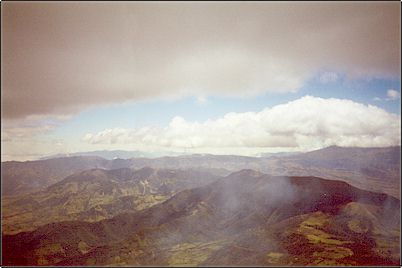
[
  {"x": 98, "y": 194},
  {"x": 30, "y": 176},
  {"x": 247, "y": 218}
]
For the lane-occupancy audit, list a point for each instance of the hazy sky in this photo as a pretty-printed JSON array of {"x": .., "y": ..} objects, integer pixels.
[{"x": 210, "y": 77}]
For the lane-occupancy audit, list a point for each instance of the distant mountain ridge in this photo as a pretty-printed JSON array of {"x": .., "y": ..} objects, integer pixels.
[
  {"x": 23, "y": 177},
  {"x": 122, "y": 154},
  {"x": 112, "y": 154},
  {"x": 376, "y": 169}
]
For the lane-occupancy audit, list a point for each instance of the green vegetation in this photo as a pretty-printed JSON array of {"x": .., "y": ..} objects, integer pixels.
[
  {"x": 44, "y": 253},
  {"x": 357, "y": 226},
  {"x": 316, "y": 219},
  {"x": 230, "y": 222},
  {"x": 146, "y": 201},
  {"x": 334, "y": 253},
  {"x": 192, "y": 254},
  {"x": 274, "y": 257},
  {"x": 322, "y": 237},
  {"x": 83, "y": 247},
  {"x": 325, "y": 248},
  {"x": 310, "y": 229}
]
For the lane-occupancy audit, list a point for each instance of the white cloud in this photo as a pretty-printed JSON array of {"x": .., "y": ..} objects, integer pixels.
[
  {"x": 392, "y": 94},
  {"x": 306, "y": 123},
  {"x": 31, "y": 138},
  {"x": 31, "y": 149},
  {"x": 21, "y": 132},
  {"x": 328, "y": 77}
]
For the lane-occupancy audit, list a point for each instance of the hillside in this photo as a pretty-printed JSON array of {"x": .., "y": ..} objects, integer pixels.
[
  {"x": 98, "y": 194},
  {"x": 24, "y": 177},
  {"x": 374, "y": 169},
  {"x": 247, "y": 218}
]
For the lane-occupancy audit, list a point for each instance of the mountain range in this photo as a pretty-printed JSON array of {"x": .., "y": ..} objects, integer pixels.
[
  {"x": 374, "y": 169},
  {"x": 98, "y": 194},
  {"x": 112, "y": 154},
  {"x": 334, "y": 206},
  {"x": 246, "y": 218}
]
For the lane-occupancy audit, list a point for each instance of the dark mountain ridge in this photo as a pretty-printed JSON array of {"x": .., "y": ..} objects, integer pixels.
[{"x": 220, "y": 219}]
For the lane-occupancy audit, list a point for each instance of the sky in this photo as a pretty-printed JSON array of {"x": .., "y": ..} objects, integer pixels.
[{"x": 198, "y": 77}]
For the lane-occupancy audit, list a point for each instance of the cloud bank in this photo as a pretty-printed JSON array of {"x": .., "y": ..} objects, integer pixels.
[
  {"x": 306, "y": 123},
  {"x": 59, "y": 58}
]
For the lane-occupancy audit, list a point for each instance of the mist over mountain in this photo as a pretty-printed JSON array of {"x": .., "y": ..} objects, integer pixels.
[
  {"x": 245, "y": 218},
  {"x": 205, "y": 209}
]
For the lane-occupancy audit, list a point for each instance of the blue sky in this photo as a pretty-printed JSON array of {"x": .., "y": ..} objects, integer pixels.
[{"x": 161, "y": 112}]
